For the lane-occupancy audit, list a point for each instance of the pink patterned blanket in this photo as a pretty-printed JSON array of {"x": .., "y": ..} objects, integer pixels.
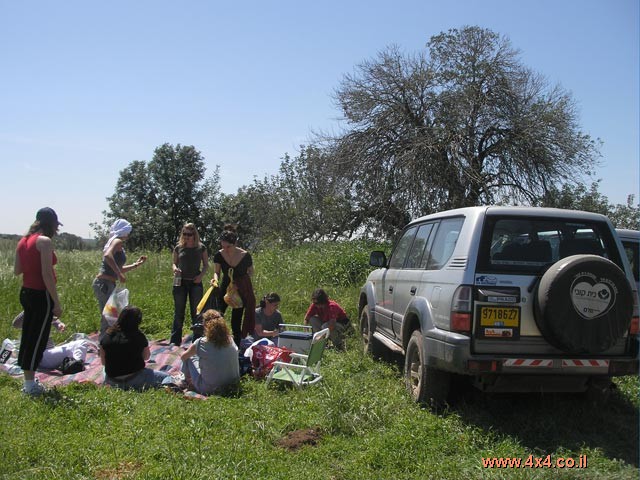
[{"x": 163, "y": 357}]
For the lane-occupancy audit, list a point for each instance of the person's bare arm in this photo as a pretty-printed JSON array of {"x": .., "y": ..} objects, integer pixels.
[
  {"x": 189, "y": 352},
  {"x": 205, "y": 266},
  {"x": 17, "y": 265},
  {"x": 45, "y": 247}
]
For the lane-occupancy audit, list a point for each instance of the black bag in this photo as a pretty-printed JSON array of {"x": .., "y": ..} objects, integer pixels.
[
  {"x": 198, "y": 329},
  {"x": 69, "y": 366},
  {"x": 198, "y": 325}
]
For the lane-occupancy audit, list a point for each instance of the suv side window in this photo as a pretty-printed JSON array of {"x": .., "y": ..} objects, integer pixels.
[
  {"x": 402, "y": 248},
  {"x": 444, "y": 243},
  {"x": 415, "y": 257}
]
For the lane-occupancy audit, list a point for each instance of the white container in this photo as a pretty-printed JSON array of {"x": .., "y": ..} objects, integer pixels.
[
  {"x": 295, "y": 337},
  {"x": 7, "y": 350}
]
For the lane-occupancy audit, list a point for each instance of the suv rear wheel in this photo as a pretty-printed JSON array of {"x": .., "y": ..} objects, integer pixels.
[{"x": 425, "y": 384}]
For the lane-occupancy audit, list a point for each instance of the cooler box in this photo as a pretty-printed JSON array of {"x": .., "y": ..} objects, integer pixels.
[{"x": 295, "y": 337}]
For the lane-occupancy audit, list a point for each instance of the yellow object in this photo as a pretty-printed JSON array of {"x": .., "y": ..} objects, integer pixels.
[{"x": 203, "y": 302}]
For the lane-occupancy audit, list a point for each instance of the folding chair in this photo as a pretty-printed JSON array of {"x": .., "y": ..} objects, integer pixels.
[{"x": 303, "y": 369}]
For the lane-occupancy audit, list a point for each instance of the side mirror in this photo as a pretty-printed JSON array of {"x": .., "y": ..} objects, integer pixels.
[{"x": 377, "y": 259}]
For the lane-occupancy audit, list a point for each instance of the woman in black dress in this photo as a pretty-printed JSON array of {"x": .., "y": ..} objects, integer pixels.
[{"x": 230, "y": 256}]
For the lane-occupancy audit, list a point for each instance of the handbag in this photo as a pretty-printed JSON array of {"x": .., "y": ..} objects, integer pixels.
[
  {"x": 264, "y": 356},
  {"x": 232, "y": 296},
  {"x": 69, "y": 366}
]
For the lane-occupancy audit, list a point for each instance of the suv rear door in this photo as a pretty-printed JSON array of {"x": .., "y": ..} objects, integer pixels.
[
  {"x": 514, "y": 254},
  {"x": 631, "y": 243}
]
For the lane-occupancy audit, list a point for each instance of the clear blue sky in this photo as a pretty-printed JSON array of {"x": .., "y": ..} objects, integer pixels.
[{"x": 87, "y": 87}]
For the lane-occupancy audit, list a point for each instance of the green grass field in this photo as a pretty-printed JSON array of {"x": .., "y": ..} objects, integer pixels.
[{"x": 363, "y": 424}]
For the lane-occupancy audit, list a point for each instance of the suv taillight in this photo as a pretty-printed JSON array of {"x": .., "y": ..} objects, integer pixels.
[{"x": 460, "y": 316}]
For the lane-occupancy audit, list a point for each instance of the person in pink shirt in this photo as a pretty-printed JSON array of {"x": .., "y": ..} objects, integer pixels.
[{"x": 326, "y": 313}]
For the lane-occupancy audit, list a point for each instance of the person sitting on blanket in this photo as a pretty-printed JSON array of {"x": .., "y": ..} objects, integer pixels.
[
  {"x": 53, "y": 355},
  {"x": 124, "y": 349},
  {"x": 211, "y": 362}
]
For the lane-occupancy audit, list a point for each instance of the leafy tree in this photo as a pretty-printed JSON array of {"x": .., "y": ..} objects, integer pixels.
[
  {"x": 135, "y": 199},
  {"x": 626, "y": 215},
  {"x": 313, "y": 204},
  {"x": 589, "y": 199},
  {"x": 577, "y": 197},
  {"x": 302, "y": 202},
  {"x": 158, "y": 197},
  {"x": 462, "y": 123}
]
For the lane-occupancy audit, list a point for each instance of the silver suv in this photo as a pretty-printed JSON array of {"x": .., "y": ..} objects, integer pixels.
[
  {"x": 631, "y": 242},
  {"x": 514, "y": 298}
]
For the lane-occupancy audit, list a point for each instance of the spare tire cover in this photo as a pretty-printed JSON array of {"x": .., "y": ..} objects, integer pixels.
[{"x": 583, "y": 304}]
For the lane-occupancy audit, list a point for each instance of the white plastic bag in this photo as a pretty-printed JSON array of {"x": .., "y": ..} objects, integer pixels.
[{"x": 117, "y": 301}]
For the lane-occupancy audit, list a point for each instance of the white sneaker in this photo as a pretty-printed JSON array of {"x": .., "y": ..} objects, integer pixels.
[{"x": 36, "y": 390}]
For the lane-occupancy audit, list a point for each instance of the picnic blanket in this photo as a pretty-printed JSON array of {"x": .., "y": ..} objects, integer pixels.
[{"x": 164, "y": 357}]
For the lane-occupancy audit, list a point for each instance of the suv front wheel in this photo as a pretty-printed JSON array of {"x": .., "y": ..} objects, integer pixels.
[
  {"x": 425, "y": 384},
  {"x": 370, "y": 344}
]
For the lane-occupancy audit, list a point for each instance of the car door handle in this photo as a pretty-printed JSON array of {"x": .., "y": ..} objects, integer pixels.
[{"x": 413, "y": 290}]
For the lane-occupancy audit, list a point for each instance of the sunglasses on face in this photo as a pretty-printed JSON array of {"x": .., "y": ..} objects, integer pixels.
[{"x": 187, "y": 234}]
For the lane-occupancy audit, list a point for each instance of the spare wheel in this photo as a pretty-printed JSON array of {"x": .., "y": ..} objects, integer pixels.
[{"x": 583, "y": 304}]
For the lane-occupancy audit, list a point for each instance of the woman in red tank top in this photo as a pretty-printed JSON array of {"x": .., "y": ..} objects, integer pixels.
[{"x": 35, "y": 259}]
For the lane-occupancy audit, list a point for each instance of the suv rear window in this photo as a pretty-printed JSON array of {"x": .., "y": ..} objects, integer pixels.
[{"x": 529, "y": 245}]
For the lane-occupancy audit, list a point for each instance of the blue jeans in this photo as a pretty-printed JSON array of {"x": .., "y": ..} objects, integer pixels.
[
  {"x": 145, "y": 378},
  {"x": 103, "y": 289},
  {"x": 194, "y": 292}
]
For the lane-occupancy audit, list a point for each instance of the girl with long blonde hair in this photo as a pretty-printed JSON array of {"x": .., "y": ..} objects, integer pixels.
[{"x": 190, "y": 263}]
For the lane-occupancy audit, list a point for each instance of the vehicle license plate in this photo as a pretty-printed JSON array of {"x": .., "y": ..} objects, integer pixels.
[{"x": 499, "y": 316}]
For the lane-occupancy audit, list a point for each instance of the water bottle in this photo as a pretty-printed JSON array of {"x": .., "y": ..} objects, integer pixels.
[
  {"x": 177, "y": 280},
  {"x": 7, "y": 350}
]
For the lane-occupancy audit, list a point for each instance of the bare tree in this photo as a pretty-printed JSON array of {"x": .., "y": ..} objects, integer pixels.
[{"x": 462, "y": 123}]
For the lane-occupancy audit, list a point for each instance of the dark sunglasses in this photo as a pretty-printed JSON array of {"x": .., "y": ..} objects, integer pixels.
[{"x": 187, "y": 234}]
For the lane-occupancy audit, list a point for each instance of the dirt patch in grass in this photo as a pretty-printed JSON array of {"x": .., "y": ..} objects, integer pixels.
[
  {"x": 122, "y": 470},
  {"x": 297, "y": 438}
]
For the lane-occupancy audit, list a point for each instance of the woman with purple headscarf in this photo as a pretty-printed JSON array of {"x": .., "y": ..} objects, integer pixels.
[{"x": 113, "y": 266}]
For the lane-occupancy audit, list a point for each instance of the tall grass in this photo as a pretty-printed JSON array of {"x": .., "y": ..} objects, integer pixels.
[{"x": 368, "y": 428}]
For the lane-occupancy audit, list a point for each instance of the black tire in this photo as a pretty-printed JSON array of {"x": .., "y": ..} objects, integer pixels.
[
  {"x": 425, "y": 384},
  {"x": 583, "y": 304},
  {"x": 370, "y": 345}
]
